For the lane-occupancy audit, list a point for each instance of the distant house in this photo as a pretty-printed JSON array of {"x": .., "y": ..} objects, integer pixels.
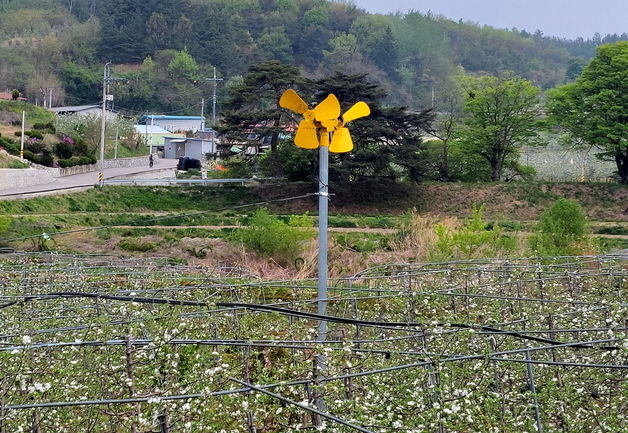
[
  {"x": 197, "y": 148},
  {"x": 8, "y": 96},
  {"x": 84, "y": 110},
  {"x": 207, "y": 134},
  {"x": 153, "y": 135},
  {"x": 174, "y": 123}
]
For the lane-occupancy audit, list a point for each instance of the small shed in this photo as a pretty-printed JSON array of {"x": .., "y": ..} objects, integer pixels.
[{"x": 197, "y": 148}]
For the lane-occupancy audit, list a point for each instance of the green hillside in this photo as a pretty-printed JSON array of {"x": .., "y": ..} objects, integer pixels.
[{"x": 60, "y": 53}]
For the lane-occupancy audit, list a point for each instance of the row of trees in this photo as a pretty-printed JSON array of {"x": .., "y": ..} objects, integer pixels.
[{"x": 480, "y": 130}]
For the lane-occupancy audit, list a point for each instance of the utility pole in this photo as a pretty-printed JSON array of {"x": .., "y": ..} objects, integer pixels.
[
  {"x": 202, "y": 114},
  {"x": 106, "y": 80},
  {"x": 152, "y": 124},
  {"x": 22, "y": 137},
  {"x": 115, "y": 152},
  {"x": 215, "y": 81}
]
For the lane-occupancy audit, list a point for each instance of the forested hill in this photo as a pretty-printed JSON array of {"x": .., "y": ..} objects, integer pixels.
[{"x": 61, "y": 45}]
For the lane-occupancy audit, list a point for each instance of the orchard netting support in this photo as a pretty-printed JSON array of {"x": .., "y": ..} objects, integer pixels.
[{"x": 105, "y": 344}]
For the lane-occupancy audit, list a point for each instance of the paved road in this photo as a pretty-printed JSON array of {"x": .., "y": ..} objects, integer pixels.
[{"x": 86, "y": 180}]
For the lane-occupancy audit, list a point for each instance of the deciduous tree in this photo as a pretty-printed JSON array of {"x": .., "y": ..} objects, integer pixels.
[
  {"x": 593, "y": 110},
  {"x": 502, "y": 114}
]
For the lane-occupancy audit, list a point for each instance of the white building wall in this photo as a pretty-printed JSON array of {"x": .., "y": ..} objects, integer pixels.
[{"x": 176, "y": 125}]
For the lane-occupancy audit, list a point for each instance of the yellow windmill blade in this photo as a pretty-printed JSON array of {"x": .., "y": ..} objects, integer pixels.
[
  {"x": 359, "y": 109},
  {"x": 306, "y": 136},
  {"x": 328, "y": 112},
  {"x": 293, "y": 102},
  {"x": 342, "y": 142}
]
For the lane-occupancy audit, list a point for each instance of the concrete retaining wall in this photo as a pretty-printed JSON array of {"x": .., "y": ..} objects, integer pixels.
[
  {"x": 18, "y": 178},
  {"x": 22, "y": 177},
  {"x": 138, "y": 161}
]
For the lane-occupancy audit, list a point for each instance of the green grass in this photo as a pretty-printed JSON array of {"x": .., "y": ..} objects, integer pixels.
[
  {"x": 362, "y": 242},
  {"x": 136, "y": 245},
  {"x": 34, "y": 114},
  {"x": 134, "y": 199},
  {"x": 123, "y": 151},
  {"x": 612, "y": 230},
  {"x": 10, "y": 162},
  {"x": 609, "y": 245}
]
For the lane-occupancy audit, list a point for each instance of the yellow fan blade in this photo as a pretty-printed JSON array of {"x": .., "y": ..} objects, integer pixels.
[
  {"x": 291, "y": 101},
  {"x": 328, "y": 109},
  {"x": 359, "y": 109},
  {"x": 341, "y": 142},
  {"x": 306, "y": 135}
]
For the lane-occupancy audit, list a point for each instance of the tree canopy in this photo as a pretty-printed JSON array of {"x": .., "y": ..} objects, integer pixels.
[
  {"x": 252, "y": 108},
  {"x": 501, "y": 115},
  {"x": 411, "y": 55},
  {"x": 593, "y": 110}
]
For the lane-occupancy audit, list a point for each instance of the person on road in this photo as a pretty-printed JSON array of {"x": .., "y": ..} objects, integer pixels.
[{"x": 150, "y": 161}]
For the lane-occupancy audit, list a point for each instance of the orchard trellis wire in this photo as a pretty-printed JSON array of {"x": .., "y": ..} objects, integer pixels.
[{"x": 105, "y": 344}]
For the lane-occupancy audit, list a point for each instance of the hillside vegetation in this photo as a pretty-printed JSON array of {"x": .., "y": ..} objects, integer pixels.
[
  {"x": 60, "y": 53},
  {"x": 371, "y": 223}
]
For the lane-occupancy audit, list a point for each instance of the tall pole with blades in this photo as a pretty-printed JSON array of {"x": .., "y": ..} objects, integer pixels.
[{"x": 324, "y": 128}]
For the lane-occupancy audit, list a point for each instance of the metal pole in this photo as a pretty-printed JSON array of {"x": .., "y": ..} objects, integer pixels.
[
  {"x": 323, "y": 208},
  {"x": 215, "y": 81},
  {"x": 152, "y": 123},
  {"x": 103, "y": 122},
  {"x": 202, "y": 114},
  {"x": 537, "y": 412},
  {"x": 115, "y": 152},
  {"x": 22, "y": 137}
]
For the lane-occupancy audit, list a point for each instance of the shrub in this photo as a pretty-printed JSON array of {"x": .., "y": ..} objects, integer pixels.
[
  {"x": 10, "y": 146},
  {"x": 474, "y": 239},
  {"x": 296, "y": 164},
  {"x": 45, "y": 127},
  {"x": 17, "y": 164},
  {"x": 76, "y": 160},
  {"x": 30, "y": 156},
  {"x": 136, "y": 245},
  {"x": 5, "y": 223},
  {"x": 192, "y": 173},
  {"x": 34, "y": 145},
  {"x": 562, "y": 230},
  {"x": 44, "y": 159},
  {"x": 271, "y": 237},
  {"x": 34, "y": 134},
  {"x": 239, "y": 167},
  {"x": 63, "y": 150}
]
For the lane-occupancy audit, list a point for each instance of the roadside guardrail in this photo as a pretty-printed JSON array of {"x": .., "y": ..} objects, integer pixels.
[{"x": 172, "y": 181}]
